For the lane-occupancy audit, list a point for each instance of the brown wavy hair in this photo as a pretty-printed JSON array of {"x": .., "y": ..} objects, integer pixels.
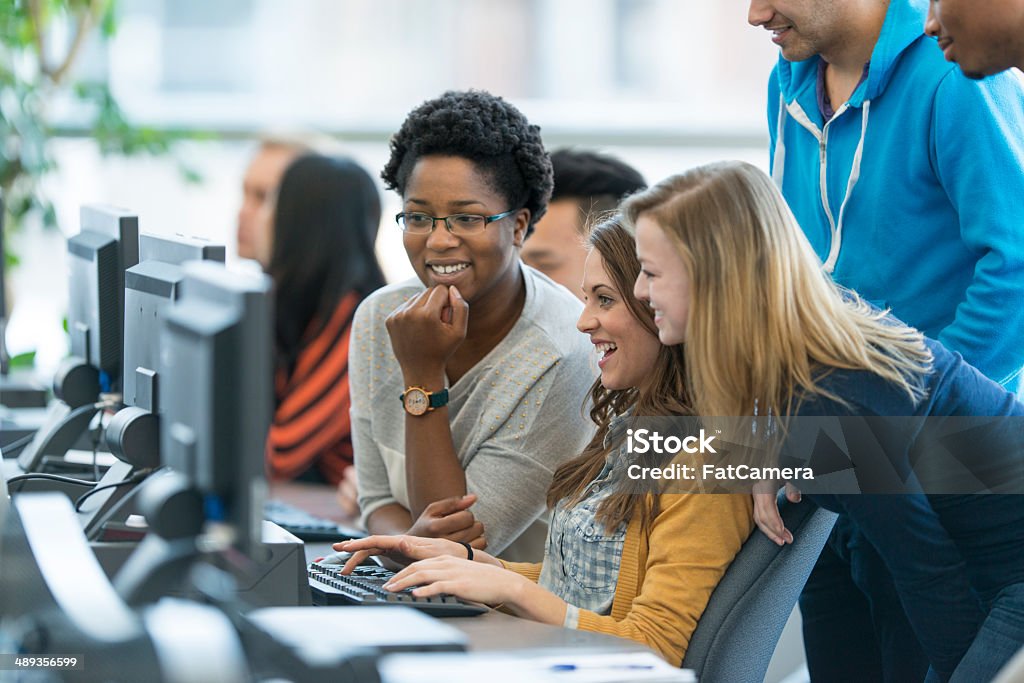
[{"x": 662, "y": 394}]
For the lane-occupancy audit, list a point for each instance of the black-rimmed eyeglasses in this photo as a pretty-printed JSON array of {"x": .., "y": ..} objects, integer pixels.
[{"x": 418, "y": 223}]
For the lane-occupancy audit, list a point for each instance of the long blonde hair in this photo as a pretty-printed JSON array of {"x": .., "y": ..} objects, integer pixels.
[
  {"x": 766, "y": 323},
  {"x": 663, "y": 392}
]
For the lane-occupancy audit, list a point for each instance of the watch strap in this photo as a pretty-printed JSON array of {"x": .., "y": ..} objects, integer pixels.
[{"x": 439, "y": 399}]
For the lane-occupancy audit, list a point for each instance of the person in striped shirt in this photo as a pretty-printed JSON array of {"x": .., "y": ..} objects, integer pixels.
[{"x": 321, "y": 229}]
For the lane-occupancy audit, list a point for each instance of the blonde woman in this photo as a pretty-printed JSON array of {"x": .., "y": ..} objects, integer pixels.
[
  {"x": 733, "y": 280},
  {"x": 639, "y": 566}
]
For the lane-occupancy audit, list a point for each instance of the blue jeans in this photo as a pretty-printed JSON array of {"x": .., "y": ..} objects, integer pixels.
[
  {"x": 1001, "y": 636},
  {"x": 854, "y": 626},
  {"x": 927, "y": 569}
]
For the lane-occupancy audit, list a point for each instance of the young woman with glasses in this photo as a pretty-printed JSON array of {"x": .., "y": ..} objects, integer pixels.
[{"x": 466, "y": 381}]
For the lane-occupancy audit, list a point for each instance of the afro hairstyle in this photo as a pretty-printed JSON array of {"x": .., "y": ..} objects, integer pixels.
[{"x": 486, "y": 130}]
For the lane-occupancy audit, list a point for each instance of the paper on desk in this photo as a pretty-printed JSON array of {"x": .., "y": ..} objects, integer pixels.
[
  {"x": 80, "y": 457},
  {"x": 572, "y": 667}
]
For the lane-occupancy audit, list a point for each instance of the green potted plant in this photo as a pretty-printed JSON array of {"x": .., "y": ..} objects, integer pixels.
[{"x": 41, "y": 42}]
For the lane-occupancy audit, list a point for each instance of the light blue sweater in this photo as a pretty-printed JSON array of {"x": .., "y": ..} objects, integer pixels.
[{"x": 913, "y": 194}]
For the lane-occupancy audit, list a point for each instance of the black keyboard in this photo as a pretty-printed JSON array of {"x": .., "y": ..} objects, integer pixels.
[
  {"x": 363, "y": 587},
  {"x": 306, "y": 526}
]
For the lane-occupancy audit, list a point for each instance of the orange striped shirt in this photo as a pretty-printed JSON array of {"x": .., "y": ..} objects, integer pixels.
[{"x": 311, "y": 426}]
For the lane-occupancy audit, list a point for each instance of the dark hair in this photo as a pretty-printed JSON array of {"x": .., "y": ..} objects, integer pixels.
[
  {"x": 663, "y": 392},
  {"x": 325, "y": 224},
  {"x": 598, "y": 181},
  {"x": 488, "y": 131}
]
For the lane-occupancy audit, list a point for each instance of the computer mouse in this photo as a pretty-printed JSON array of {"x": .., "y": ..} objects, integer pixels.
[{"x": 340, "y": 557}]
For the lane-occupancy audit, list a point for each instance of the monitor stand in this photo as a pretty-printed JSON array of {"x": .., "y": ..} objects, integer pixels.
[
  {"x": 77, "y": 614},
  {"x": 275, "y": 574}
]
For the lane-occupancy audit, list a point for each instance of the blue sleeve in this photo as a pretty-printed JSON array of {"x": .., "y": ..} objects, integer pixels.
[
  {"x": 978, "y": 147},
  {"x": 773, "y": 117}
]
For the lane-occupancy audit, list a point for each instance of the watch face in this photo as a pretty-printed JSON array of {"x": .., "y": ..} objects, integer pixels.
[{"x": 416, "y": 402}]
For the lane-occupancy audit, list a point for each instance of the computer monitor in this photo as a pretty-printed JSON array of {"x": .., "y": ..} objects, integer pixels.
[
  {"x": 149, "y": 286},
  {"x": 216, "y": 392},
  {"x": 133, "y": 434},
  {"x": 99, "y": 255}
]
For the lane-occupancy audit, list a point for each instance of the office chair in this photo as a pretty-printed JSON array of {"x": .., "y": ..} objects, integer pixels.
[
  {"x": 736, "y": 636},
  {"x": 1013, "y": 672}
]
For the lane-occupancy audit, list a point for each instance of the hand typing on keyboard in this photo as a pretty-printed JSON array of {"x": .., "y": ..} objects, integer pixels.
[
  {"x": 439, "y": 566},
  {"x": 365, "y": 586},
  {"x": 474, "y": 581},
  {"x": 441, "y": 570},
  {"x": 402, "y": 549}
]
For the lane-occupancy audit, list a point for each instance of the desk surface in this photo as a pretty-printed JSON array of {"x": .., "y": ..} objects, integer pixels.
[
  {"x": 489, "y": 632},
  {"x": 316, "y": 499}
]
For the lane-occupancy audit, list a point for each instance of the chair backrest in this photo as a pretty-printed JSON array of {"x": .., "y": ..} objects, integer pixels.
[
  {"x": 736, "y": 636},
  {"x": 1013, "y": 671}
]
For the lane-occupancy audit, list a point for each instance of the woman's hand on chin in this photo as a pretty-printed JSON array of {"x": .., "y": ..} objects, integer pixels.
[{"x": 426, "y": 330}]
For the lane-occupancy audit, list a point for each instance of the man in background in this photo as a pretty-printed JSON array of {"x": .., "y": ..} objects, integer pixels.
[
  {"x": 262, "y": 176},
  {"x": 984, "y": 37},
  {"x": 587, "y": 184}
]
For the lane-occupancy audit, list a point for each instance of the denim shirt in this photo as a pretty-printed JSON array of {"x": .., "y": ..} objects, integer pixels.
[{"x": 581, "y": 559}]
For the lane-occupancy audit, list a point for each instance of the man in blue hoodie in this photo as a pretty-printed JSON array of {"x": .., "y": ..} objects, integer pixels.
[
  {"x": 907, "y": 179},
  {"x": 905, "y": 175}
]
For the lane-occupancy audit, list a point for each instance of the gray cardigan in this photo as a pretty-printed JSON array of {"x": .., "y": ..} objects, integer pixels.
[{"x": 515, "y": 416}]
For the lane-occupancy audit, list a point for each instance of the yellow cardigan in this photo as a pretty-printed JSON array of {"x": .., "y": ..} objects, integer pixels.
[{"x": 666, "y": 577}]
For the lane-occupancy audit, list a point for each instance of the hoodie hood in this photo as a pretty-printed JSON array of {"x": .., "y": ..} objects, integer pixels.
[
  {"x": 910, "y": 194},
  {"x": 904, "y": 24}
]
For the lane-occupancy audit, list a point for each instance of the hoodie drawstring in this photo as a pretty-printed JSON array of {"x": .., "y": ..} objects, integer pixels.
[{"x": 778, "y": 163}]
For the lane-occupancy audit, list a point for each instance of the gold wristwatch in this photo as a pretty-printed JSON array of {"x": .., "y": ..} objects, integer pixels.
[{"x": 418, "y": 401}]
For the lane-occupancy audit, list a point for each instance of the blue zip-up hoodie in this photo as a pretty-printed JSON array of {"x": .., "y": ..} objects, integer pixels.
[{"x": 913, "y": 194}]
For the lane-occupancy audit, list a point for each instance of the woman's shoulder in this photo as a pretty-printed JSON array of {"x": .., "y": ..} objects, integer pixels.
[
  {"x": 710, "y": 505},
  {"x": 552, "y": 311},
  {"x": 545, "y": 298},
  {"x": 854, "y": 392},
  {"x": 958, "y": 388},
  {"x": 714, "y": 522},
  {"x": 388, "y": 297},
  {"x": 952, "y": 386}
]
